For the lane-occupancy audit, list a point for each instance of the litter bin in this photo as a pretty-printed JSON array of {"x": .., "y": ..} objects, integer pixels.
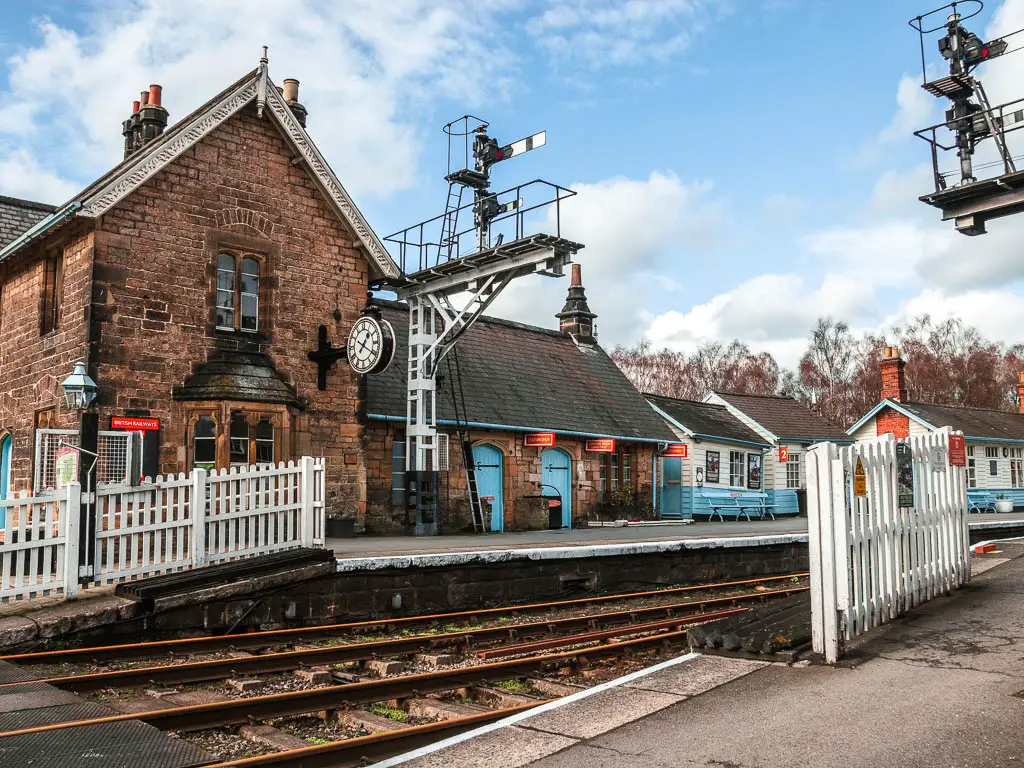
[
  {"x": 801, "y": 502},
  {"x": 555, "y": 514}
]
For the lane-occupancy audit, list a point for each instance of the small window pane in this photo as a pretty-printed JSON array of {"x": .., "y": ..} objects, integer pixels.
[
  {"x": 204, "y": 442},
  {"x": 239, "y": 440},
  {"x": 264, "y": 442},
  {"x": 225, "y": 281},
  {"x": 250, "y": 309}
]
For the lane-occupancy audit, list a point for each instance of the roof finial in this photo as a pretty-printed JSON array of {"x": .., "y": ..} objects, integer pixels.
[{"x": 262, "y": 85}]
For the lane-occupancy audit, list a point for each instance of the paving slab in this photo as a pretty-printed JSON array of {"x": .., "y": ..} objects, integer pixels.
[
  {"x": 697, "y": 676},
  {"x": 510, "y": 747},
  {"x": 601, "y": 712}
]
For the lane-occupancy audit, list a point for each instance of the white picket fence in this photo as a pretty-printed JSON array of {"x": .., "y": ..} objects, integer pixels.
[
  {"x": 161, "y": 526},
  {"x": 872, "y": 560}
]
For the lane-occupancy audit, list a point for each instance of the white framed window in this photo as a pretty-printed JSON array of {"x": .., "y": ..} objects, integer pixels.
[
  {"x": 793, "y": 471},
  {"x": 991, "y": 452},
  {"x": 972, "y": 469},
  {"x": 1016, "y": 473},
  {"x": 737, "y": 468}
]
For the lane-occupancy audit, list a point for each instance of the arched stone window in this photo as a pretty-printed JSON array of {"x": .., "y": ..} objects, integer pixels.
[{"x": 238, "y": 293}]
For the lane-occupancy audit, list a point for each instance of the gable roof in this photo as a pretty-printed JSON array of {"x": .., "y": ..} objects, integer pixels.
[
  {"x": 522, "y": 378},
  {"x": 983, "y": 423},
  {"x": 783, "y": 417},
  {"x": 17, "y": 215},
  {"x": 705, "y": 420},
  {"x": 104, "y": 193}
]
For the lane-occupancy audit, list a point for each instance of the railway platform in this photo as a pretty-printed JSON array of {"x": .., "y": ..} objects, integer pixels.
[{"x": 941, "y": 687}]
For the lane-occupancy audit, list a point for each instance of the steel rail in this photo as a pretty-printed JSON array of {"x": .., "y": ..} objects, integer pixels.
[
  {"x": 299, "y": 634},
  {"x": 676, "y": 622},
  {"x": 234, "y": 711},
  {"x": 350, "y": 753},
  {"x": 269, "y": 663}
]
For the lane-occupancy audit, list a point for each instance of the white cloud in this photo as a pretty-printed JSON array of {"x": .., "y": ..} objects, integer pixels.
[
  {"x": 636, "y": 233},
  {"x": 367, "y": 70},
  {"x": 998, "y": 313},
  {"x": 768, "y": 312},
  {"x": 22, "y": 176},
  {"x": 598, "y": 33}
]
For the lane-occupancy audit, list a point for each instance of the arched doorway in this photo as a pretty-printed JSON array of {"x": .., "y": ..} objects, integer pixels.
[
  {"x": 489, "y": 479},
  {"x": 5, "y": 472},
  {"x": 556, "y": 476}
]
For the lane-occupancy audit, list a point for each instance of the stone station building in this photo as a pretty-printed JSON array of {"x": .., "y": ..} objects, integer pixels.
[{"x": 192, "y": 280}]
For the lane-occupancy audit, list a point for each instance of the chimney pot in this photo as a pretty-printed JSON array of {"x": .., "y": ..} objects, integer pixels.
[
  {"x": 135, "y": 106},
  {"x": 144, "y": 98},
  {"x": 1020, "y": 393},
  {"x": 155, "y": 91},
  {"x": 577, "y": 276},
  {"x": 291, "y": 89}
]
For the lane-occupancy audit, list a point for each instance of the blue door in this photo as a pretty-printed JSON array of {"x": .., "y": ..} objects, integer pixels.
[
  {"x": 487, "y": 460},
  {"x": 5, "y": 473},
  {"x": 556, "y": 476},
  {"x": 671, "y": 505}
]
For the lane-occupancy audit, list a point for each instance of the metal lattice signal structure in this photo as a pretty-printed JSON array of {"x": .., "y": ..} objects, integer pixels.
[
  {"x": 970, "y": 119},
  {"x": 450, "y": 275}
]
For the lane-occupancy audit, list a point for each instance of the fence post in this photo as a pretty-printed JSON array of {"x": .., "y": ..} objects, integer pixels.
[
  {"x": 307, "y": 524},
  {"x": 71, "y": 523},
  {"x": 197, "y": 513}
]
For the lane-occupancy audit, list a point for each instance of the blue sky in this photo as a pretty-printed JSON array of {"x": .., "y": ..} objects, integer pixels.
[{"x": 743, "y": 167}]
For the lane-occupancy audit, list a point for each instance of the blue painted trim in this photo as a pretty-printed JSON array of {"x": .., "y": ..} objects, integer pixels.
[
  {"x": 39, "y": 228},
  {"x": 896, "y": 407},
  {"x": 508, "y": 428},
  {"x": 1000, "y": 440}
]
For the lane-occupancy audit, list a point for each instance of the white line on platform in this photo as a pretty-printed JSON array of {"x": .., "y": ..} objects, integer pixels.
[
  {"x": 518, "y": 718},
  {"x": 562, "y": 553}
]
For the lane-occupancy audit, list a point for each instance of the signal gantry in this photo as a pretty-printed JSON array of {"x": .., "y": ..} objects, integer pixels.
[{"x": 969, "y": 201}]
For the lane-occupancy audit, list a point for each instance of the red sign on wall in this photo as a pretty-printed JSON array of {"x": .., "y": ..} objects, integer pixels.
[
  {"x": 783, "y": 454},
  {"x": 957, "y": 451},
  {"x": 600, "y": 445},
  {"x": 539, "y": 439},
  {"x": 679, "y": 450},
  {"x": 133, "y": 424}
]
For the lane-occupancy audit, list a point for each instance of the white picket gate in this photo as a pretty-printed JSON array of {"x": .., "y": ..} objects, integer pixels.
[
  {"x": 872, "y": 560},
  {"x": 160, "y": 526}
]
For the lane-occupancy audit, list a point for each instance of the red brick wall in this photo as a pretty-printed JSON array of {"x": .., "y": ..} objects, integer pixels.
[
  {"x": 894, "y": 385},
  {"x": 32, "y": 366},
  {"x": 522, "y": 475},
  {"x": 892, "y": 421},
  {"x": 155, "y": 274}
]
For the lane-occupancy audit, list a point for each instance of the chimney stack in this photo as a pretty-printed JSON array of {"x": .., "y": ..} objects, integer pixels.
[
  {"x": 576, "y": 319},
  {"x": 894, "y": 385},
  {"x": 1020, "y": 393},
  {"x": 148, "y": 120},
  {"x": 291, "y": 98}
]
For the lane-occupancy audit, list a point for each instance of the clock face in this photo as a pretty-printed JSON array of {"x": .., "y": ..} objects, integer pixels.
[{"x": 371, "y": 345}]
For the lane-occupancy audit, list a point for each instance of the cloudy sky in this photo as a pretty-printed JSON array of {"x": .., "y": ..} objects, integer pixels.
[{"x": 743, "y": 166}]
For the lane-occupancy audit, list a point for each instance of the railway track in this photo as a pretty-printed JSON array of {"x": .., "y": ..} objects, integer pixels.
[
  {"x": 256, "y": 640},
  {"x": 535, "y": 651}
]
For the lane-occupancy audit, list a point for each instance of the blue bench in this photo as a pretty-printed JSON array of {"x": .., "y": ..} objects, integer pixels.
[
  {"x": 981, "y": 501},
  {"x": 741, "y": 504}
]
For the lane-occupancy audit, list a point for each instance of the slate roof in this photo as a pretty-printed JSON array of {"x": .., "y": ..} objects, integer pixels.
[
  {"x": 973, "y": 422},
  {"x": 784, "y": 417},
  {"x": 706, "y": 419},
  {"x": 18, "y": 215},
  {"x": 237, "y": 375},
  {"x": 523, "y": 377}
]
